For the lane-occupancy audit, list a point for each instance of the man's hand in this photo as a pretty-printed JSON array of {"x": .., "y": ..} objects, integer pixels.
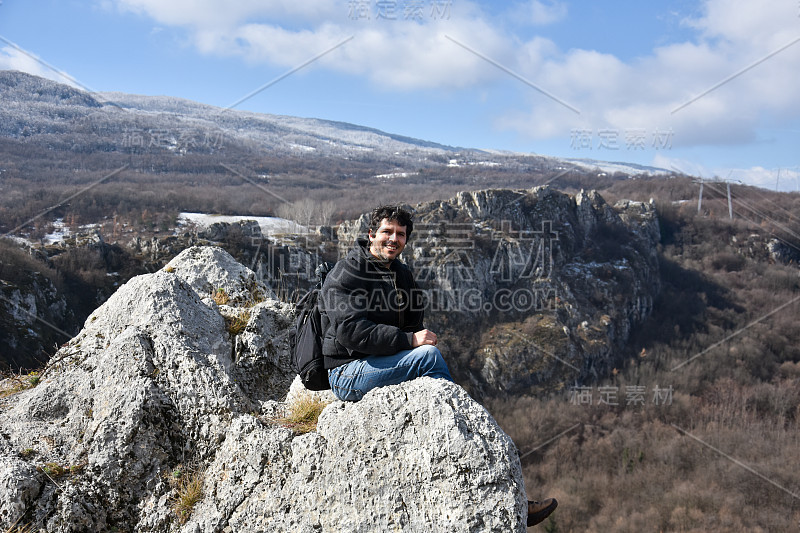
[{"x": 424, "y": 336}]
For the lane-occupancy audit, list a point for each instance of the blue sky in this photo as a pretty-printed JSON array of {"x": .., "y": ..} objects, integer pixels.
[{"x": 706, "y": 87}]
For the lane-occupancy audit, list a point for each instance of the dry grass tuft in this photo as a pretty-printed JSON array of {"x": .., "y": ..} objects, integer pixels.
[
  {"x": 221, "y": 297},
  {"x": 15, "y": 383},
  {"x": 187, "y": 482},
  {"x": 302, "y": 414},
  {"x": 54, "y": 470},
  {"x": 236, "y": 324},
  {"x": 19, "y": 528}
]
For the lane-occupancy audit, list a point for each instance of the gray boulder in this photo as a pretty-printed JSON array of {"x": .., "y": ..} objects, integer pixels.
[{"x": 419, "y": 456}]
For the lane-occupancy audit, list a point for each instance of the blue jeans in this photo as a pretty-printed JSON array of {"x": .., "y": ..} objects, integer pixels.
[{"x": 351, "y": 381}]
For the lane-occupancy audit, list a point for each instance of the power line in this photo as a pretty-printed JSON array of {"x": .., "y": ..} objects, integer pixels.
[
  {"x": 776, "y": 204},
  {"x": 765, "y": 217}
]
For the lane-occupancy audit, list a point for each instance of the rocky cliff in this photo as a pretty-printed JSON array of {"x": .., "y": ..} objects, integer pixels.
[
  {"x": 185, "y": 370},
  {"x": 530, "y": 290},
  {"x": 29, "y": 305}
]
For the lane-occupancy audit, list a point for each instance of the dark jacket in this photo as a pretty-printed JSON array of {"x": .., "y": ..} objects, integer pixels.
[{"x": 368, "y": 309}]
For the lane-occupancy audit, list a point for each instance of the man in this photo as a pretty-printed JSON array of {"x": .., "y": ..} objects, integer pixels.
[
  {"x": 373, "y": 313},
  {"x": 372, "y": 321}
]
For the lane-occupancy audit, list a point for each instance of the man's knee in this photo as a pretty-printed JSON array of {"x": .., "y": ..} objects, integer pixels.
[
  {"x": 431, "y": 363},
  {"x": 428, "y": 353},
  {"x": 430, "y": 350}
]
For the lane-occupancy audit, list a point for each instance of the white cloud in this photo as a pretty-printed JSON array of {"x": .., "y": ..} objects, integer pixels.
[
  {"x": 719, "y": 90},
  {"x": 745, "y": 24},
  {"x": 12, "y": 58},
  {"x": 716, "y": 89},
  {"x": 410, "y": 56},
  {"x": 404, "y": 53},
  {"x": 540, "y": 13},
  {"x": 262, "y": 43}
]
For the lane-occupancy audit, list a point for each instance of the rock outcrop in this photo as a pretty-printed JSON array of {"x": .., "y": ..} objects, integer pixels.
[{"x": 168, "y": 375}]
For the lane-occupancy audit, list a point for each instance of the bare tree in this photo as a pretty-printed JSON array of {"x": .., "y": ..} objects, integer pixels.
[
  {"x": 304, "y": 211},
  {"x": 326, "y": 210}
]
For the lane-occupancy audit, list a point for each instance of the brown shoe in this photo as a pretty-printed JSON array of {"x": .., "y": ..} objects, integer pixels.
[{"x": 538, "y": 511}]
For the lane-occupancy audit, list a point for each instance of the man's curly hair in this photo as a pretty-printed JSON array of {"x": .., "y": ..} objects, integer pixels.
[{"x": 391, "y": 213}]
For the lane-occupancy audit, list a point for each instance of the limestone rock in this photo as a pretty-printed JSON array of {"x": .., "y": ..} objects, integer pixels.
[
  {"x": 264, "y": 367},
  {"x": 209, "y": 268},
  {"x": 156, "y": 382},
  {"x": 419, "y": 456},
  {"x": 510, "y": 275},
  {"x": 145, "y": 382},
  {"x": 19, "y": 485},
  {"x": 222, "y": 231},
  {"x": 781, "y": 252}
]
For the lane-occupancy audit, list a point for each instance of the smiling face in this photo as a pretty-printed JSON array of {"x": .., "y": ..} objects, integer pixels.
[{"x": 388, "y": 240}]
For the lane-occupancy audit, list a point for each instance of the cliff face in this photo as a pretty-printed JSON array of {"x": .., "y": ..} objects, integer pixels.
[
  {"x": 187, "y": 366},
  {"x": 31, "y": 311}
]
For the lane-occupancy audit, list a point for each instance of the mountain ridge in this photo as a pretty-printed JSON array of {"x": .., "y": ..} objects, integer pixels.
[
  {"x": 178, "y": 105},
  {"x": 327, "y": 137}
]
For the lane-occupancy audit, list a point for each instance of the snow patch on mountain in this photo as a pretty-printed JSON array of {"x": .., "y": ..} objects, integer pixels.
[
  {"x": 269, "y": 225},
  {"x": 612, "y": 167}
]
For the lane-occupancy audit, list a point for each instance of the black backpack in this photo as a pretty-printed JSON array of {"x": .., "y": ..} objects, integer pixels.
[{"x": 306, "y": 341}]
